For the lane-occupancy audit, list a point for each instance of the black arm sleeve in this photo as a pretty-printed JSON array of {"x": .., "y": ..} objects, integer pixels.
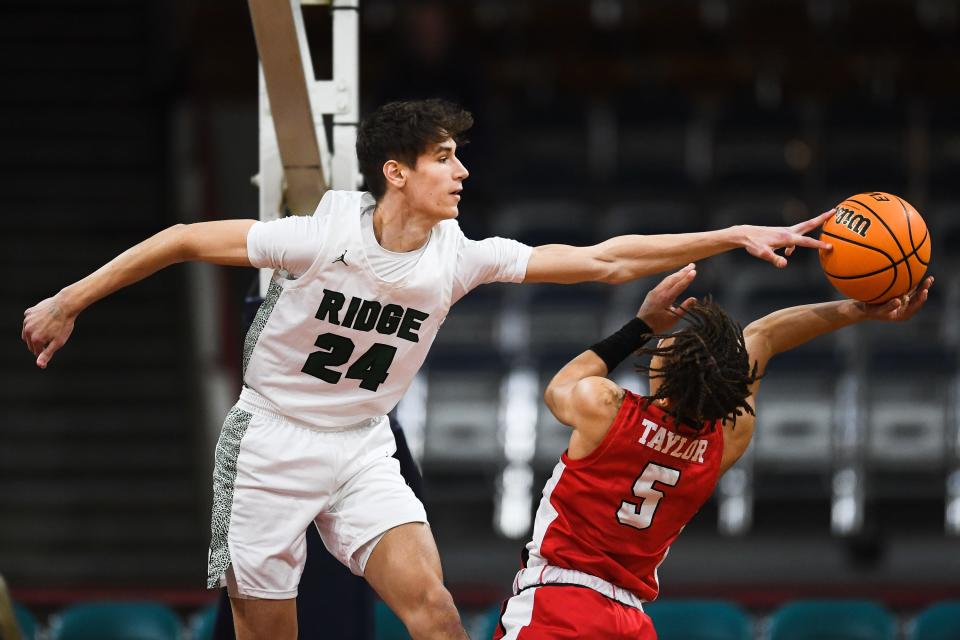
[{"x": 614, "y": 349}]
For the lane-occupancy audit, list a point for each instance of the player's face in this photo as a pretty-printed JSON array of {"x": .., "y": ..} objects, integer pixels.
[{"x": 435, "y": 184}]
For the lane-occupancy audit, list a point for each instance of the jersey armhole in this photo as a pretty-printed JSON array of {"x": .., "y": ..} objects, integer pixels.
[{"x": 293, "y": 282}]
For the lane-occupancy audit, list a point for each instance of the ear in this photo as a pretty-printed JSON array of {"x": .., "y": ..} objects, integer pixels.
[{"x": 395, "y": 173}]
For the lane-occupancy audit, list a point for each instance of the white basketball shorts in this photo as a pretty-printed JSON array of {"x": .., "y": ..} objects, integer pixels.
[{"x": 272, "y": 478}]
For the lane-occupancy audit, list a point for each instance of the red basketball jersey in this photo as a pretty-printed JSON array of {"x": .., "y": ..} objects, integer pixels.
[{"x": 615, "y": 513}]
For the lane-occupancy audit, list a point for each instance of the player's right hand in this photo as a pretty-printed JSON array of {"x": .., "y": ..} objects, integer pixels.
[
  {"x": 658, "y": 309},
  {"x": 46, "y": 328},
  {"x": 901, "y": 308},
  {"x": 763, "y": 242}
]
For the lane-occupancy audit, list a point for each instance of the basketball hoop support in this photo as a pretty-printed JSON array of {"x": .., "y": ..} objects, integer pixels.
[{"x": 295, "y": 155}]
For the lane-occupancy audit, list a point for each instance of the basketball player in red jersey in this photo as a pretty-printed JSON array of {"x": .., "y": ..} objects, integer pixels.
[{"x": 638, "y": 468}]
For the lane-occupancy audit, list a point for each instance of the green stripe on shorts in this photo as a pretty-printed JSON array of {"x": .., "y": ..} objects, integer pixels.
[{"x": 224, "y": 477}]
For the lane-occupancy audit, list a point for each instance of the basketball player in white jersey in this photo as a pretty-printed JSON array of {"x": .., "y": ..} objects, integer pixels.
[{"x": 359, "y": 291}]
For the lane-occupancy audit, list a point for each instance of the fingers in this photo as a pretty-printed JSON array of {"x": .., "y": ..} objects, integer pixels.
[
  {"x": 801, "y": 229},
  {"x": 811, "y": 243},
  {"x": 47, "y": 354},
  {"x": 921, "y": 288},
  {"x": 686, "y": 276},
  {"x": 767, "y": 254},
  {"x": 790, "y": 250},
  {"x": 916, "y": 298},
  {"x": 32, "y": 345},
  {"x": 678, "y": 280},
  {"x": 809, "y": 225},
  {"x": 683, "y": 273},
  {"x": 681, "y": 308},
  {"x": 891, "y": 308}
]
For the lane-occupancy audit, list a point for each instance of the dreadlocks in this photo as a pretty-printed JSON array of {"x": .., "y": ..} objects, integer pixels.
[{"x": 705, "y": 369}]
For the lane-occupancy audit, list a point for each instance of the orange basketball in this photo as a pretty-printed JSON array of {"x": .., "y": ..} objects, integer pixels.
[{"x": 881, "y": 247}]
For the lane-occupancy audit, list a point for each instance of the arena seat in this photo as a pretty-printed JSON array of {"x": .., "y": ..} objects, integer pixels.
[
  {"x": 549, "y": 145},
  {"x": 462, "y": 410},
  {"x": 650, "y": 215},
  {"x": 831, "y": 620},
  {"x": 202, "y": 623},
  {"x": 387, "y": 625},
  {"x": 564, "y": 320},
  {"x": 653, "y": 129},
  {"x": 699, "y": 620},
  {"x": 797, "y": 404},
  {"x": 546, "y": 220},
  {"x": 754, "y": 144},
  {"x": 25, "y": 621},
  {"x": 486, "y": 623},
  {"x": 116, "y": 621},
  {"x": 864, "y": 145},
  {"x": 944, "y": 147},
  {"x": 908, "y": 378},
  {"x": 940, "y": 621},
  {"x": 471, "y": 328}
]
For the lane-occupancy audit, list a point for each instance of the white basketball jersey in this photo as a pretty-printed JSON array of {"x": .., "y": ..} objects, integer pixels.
[{"x": 338, "y": 344}]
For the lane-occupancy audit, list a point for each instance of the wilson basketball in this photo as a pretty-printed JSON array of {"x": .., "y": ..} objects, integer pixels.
[{"x": 881, "y": 247}]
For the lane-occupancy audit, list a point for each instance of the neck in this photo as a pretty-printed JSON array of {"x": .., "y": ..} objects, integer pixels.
[{"x": 398, "y": 227}]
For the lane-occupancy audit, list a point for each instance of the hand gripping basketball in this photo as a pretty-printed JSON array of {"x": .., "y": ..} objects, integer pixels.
[{"x": 901, "y": 308}]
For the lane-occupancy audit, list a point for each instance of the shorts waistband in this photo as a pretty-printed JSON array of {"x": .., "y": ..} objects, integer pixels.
[
  {"x": 255, "y": 403},
  {"x": 546, "y": 574}
]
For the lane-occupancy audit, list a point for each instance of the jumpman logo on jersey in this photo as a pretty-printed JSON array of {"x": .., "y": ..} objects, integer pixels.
[{"x": 340, "y": 259}]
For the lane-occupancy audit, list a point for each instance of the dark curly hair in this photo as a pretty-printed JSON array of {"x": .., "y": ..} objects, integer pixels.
[
  {"x": 705, "y": 369},
  {"x": 404, "y": 130}
]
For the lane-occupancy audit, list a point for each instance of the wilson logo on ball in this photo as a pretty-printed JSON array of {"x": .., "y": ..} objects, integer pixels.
[{"x": 854, "y": 221}]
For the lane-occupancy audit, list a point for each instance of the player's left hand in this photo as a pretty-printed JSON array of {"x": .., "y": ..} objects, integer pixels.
[
  {"x": 902, "y": 308},
  {"x": 658, "y": 310},
  {"x": 762, "y": 242},
  {"x": 46, "y": 328}
]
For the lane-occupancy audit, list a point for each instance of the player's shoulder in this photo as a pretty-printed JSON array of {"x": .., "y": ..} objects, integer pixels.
[
  {"x": 598, "y": 397},
  {"x": 596, "y": 403},
  {"x": 450, "y": 228},
  {"x": 448, "y": 234},
  {"x": 340, "y": 202}
]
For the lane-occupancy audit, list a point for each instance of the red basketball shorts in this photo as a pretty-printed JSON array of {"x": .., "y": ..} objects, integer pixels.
[{"x": 552, "y": 612}]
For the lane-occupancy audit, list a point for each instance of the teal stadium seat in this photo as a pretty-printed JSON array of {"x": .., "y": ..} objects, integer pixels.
[
  {"x": 487, "y": 623},
  {"x": 831, "y": 620},
  {"x": 25, "y": 621},
  {"x": 698, "y": 620},
  {"x": 387, "y": 625},
  {"x": 938, "y": 622},
  {"x": 116, "y": 621},
  {"x": 202, "y": 623}
]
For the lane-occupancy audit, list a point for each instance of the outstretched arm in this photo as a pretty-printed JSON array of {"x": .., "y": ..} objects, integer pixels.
[
  {"x": 48, "y": 325},
  {"x": 626, "y": 258},
  {"x": 789, "y": 328}
]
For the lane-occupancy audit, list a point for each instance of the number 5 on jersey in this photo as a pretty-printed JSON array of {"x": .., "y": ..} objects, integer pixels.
[{"x": 642, "y": 517}]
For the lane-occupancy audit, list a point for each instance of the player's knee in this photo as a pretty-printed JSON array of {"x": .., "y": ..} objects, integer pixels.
[
  {"x": 433, "y": 611},
  {"x": 438, "y": 601}
]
